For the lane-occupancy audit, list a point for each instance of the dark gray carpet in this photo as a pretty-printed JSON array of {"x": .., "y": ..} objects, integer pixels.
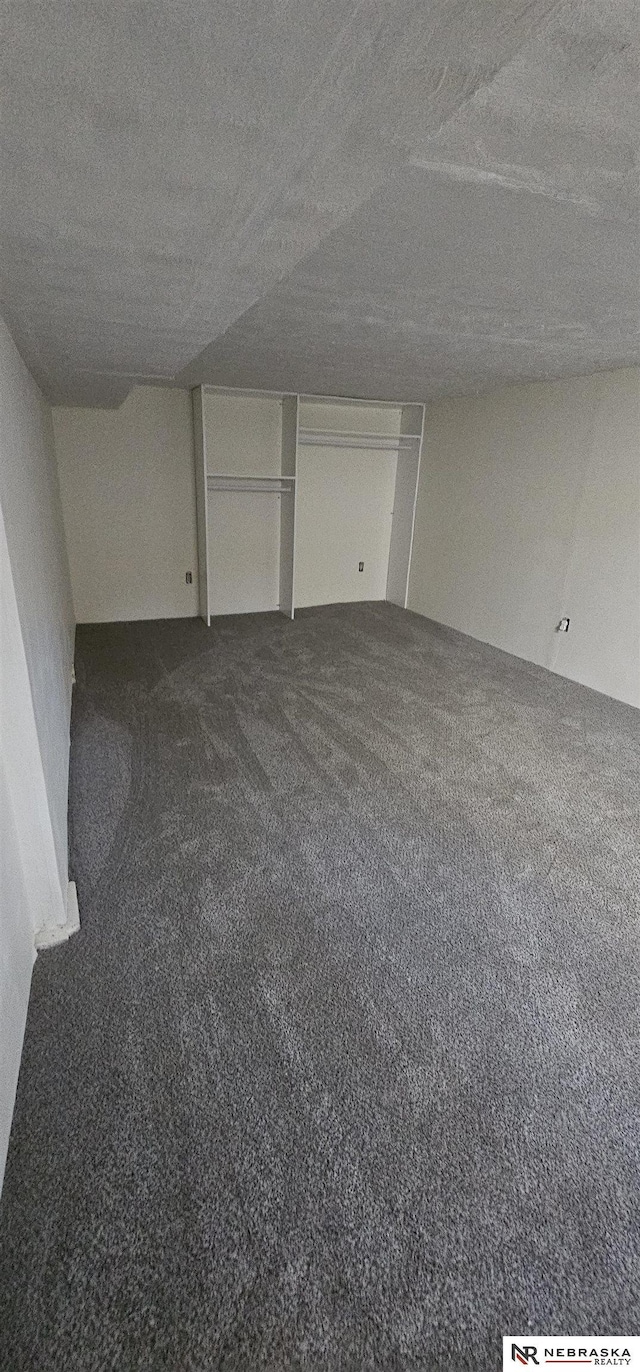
[{"x": 342, "y": 1069}]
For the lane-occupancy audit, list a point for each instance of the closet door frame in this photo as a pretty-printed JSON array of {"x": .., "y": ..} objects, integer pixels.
[
  {"x": 202, "y": 512},
  {"x": 289, "y": 468},
  {"x": 404, "y": 506}
]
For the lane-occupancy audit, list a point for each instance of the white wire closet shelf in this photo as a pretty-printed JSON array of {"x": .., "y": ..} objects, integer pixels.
[
  {"x": 223, "y": 481},
  {"x": 347, "y": 438}
]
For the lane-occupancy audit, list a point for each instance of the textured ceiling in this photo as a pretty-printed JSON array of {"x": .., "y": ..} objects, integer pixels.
[{"x": 386, "y": 198}]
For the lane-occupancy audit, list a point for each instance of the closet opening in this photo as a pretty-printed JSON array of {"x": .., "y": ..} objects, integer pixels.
[{"x": 302, "y": 500}]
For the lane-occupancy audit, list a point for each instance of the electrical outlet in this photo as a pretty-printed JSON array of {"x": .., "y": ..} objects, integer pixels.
[
  {"x": 361, "y": 566},
  {"x": 189, "y": 578},
  {"x": 563, "y": 626}
]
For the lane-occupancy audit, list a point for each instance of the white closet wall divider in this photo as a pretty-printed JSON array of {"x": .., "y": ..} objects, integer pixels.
[
  {"x": 404, "y": 504},
  {"x": 200, "y": 455},
  {"x": 247, "y": 445},
  {"x": 288, "y": 466}
]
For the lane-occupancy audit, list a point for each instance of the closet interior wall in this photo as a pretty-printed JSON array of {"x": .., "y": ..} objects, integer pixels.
[
  {"x": 259, "y": 530},
  {"x": 245, "y": 450}
]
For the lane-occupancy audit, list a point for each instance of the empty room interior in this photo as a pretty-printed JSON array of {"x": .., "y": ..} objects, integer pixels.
[{"x": 319, "y": 685}]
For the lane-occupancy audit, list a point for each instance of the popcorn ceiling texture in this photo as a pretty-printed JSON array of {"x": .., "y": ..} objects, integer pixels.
[
  {"x": 383, "y": 198},
  {"x": 341, "y": 1071}
]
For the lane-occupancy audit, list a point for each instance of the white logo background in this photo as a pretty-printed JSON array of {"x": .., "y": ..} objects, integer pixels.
[{"x": 520, "y": 1351}]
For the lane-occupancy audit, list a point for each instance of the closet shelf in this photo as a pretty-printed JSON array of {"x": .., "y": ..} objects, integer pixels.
[
  {"x": 219, "y": 481},
  {"x": 332, "y": 438}
]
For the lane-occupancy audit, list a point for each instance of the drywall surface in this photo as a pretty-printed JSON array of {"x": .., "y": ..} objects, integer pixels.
[
  {"x": 244, "y": 552},
  {"x": 128, "y": 497},
  {"x": 30, "y": 500},
  {"x": 350, "y": 418},
  {"x": 243, "y": 434},
  {"x": 529, "y": 510},
  {"x": 16, "y": 961},
  {"x": 602, "y": 583},
  {"x": 36, "y": 657},
  {"x": 343, "y": 517}
]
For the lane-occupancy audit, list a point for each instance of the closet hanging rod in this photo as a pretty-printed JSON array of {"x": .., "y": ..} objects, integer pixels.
[{"x": 328, "y": 438}]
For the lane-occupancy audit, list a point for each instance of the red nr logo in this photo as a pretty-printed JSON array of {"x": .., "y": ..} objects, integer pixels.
[{"x": 527, "y": 1354}]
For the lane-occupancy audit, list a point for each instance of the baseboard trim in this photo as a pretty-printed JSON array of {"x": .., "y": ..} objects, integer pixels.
[{"x": 59, "y": 933}]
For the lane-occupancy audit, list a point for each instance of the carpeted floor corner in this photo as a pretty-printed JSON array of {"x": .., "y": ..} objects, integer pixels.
[{"x": 343, "y": 1070}]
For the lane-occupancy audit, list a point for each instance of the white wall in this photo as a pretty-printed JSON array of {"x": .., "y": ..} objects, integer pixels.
[
  {"x": 244, "y": 434},
  {"x": 343, "y": 517},
  {"x": 529, "y": 510},
  {"x": 350, "y": 416},
  {"x": 36, "y": 657},
  {"x": 30, "y": 499},
  {"x": 244, "y": 552},
  {"x": 17, "y": 955},
  {"x": 128, "y": 498}
]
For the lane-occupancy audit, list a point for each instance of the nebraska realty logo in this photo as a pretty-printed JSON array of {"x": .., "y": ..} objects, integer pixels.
[{"x": 537, "y": 1350}]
